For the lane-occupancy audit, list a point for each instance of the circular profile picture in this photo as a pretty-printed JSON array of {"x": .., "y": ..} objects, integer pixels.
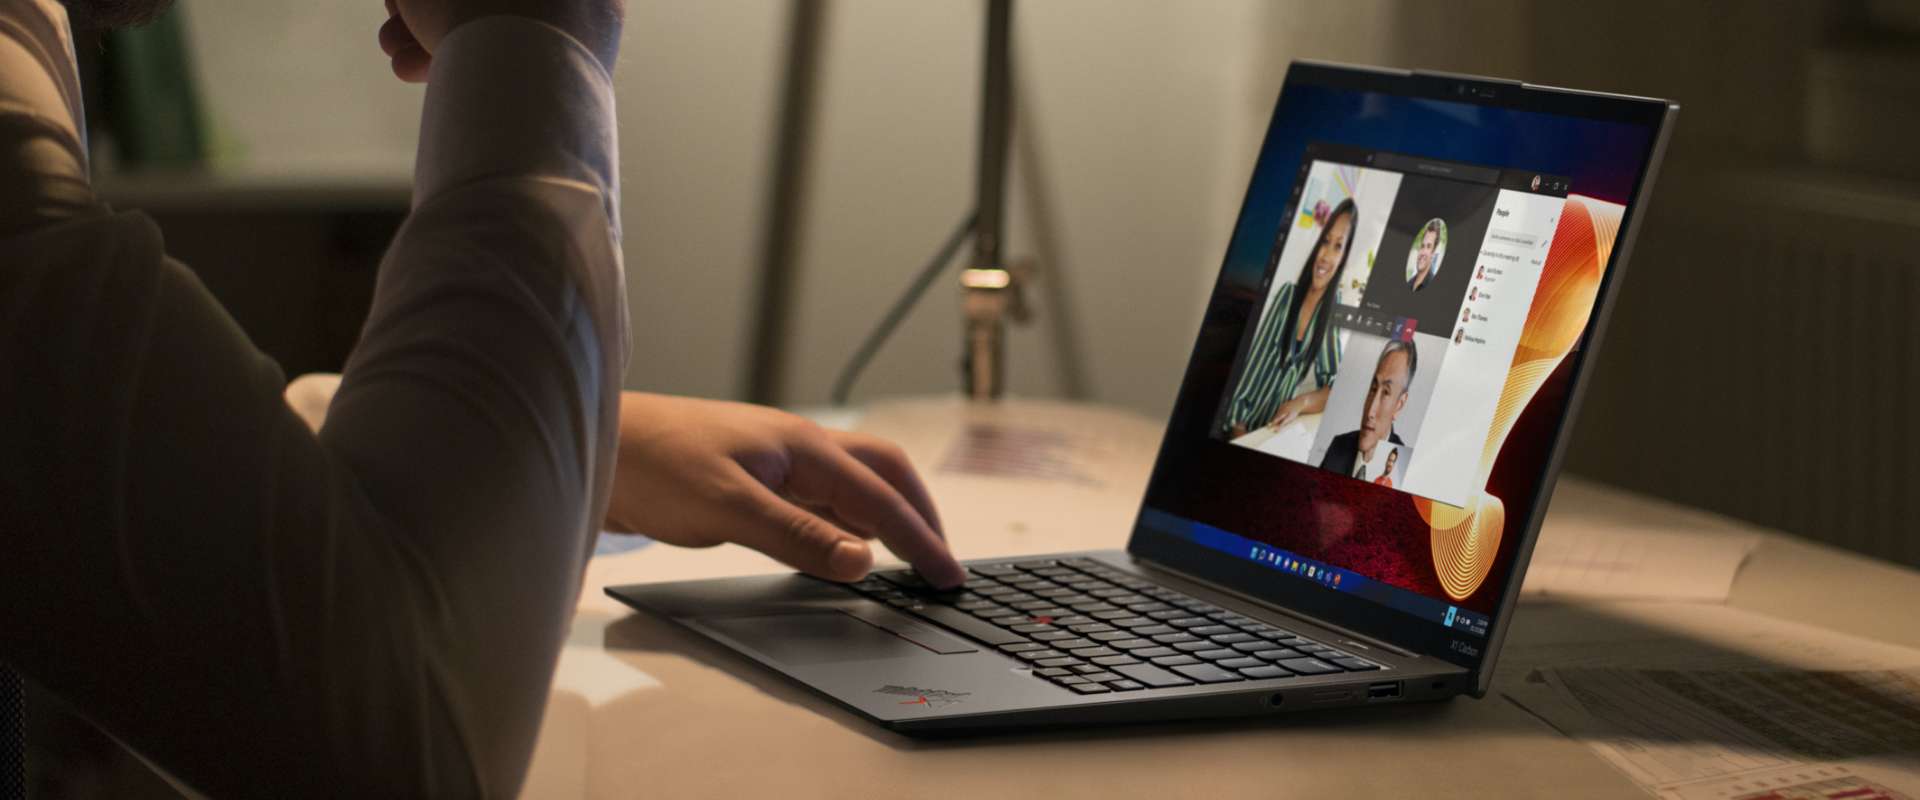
[
  {"x": 1536, "y": 183},
  {"x": 1428, "y": 252}
]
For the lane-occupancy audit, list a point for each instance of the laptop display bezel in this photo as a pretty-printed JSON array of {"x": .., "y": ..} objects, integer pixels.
[{"x": 1342, "y": 610}]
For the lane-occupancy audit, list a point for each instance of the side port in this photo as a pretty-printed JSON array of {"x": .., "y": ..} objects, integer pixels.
[{"x": 1383, "y": 692}]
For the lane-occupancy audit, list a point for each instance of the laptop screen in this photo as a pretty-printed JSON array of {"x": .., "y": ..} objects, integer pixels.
[{"x": 1385, "y": 365}]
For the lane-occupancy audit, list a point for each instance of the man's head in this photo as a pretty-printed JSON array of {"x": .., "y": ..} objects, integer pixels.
[
  {"x": 1392, "y": 456},
  {"x": 1387, "y": 394},
  {"x": 114, "y": 13},
  {"x": 1429, "y": 247}
]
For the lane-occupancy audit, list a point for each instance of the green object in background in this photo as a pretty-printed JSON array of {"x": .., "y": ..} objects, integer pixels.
[{"x": 152, "y": 108}]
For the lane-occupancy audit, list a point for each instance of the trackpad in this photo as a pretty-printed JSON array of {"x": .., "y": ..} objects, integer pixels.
[{"x": 813, "y": 637}]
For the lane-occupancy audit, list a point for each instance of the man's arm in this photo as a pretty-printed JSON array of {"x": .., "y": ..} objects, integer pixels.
[{"x": 376, "y": 610}]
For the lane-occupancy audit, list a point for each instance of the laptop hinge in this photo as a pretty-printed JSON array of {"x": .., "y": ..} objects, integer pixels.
[{"x": 1344, "y": 631}]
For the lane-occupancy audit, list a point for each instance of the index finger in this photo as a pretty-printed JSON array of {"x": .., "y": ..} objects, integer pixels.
[{"x": 825, "y": 475}]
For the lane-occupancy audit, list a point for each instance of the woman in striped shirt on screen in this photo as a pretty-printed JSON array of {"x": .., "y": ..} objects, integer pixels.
[{"x": 1290, "y": 366}]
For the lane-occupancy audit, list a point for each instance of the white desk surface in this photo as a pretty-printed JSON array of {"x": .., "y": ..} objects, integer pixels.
[{"x": 640, "y": 709}]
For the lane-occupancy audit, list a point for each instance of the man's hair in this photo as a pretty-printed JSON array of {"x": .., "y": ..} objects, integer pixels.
[
  {"x": 1413, "y": 359},
  {"x": 1433, "y": 227},
  {"x": 104, "y": 14}
]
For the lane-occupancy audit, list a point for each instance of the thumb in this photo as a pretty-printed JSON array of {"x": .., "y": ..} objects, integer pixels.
[{"x": 797, "y": 537}]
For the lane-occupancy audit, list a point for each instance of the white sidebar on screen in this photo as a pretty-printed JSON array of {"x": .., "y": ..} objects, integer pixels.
[{"x": 1507, "y": 271}]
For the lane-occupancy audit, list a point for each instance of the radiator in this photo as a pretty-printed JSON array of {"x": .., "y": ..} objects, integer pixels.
[{"x": 1764, "y": 358}]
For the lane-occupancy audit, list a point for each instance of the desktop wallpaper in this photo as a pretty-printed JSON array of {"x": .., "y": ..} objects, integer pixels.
[{"x": 1460, "y": 555}]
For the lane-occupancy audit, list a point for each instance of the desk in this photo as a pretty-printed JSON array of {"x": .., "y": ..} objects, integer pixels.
[{"x": 641, "y": 709}]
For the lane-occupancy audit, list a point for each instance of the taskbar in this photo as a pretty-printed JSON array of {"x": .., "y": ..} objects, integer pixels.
[{"x": 1325, "y": 575}]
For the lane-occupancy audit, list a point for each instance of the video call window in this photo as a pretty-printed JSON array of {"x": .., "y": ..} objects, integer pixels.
[{"x": 1382, "y": 341}]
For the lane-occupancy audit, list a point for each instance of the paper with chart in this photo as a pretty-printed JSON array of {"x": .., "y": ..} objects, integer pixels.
[
  {"x": 1712, "y": 703},
  {"x": 1588, "y": 549}
]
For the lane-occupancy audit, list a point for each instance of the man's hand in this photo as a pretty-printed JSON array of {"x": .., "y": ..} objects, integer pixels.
[
  {"x": 697, "y": 473},
  {"x": 414, "y": 28}
]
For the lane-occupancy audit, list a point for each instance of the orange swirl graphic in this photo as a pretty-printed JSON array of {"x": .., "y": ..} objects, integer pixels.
[{"x": 1466, "y": 539}]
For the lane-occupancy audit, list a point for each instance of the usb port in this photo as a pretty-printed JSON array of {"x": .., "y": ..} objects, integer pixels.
[{"x": 1383, "y": 691}]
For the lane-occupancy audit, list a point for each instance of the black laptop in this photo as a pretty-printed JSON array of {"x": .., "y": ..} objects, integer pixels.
[{"x": 1358, "y": 458}]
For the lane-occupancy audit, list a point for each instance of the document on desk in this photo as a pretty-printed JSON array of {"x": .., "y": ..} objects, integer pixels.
[
  {"x": 1753, "y": 708},
  {"x": 1587, "y": 551}
]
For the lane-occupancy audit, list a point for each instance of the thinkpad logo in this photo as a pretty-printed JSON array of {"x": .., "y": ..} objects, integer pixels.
[{"x": 931, "y": 698}]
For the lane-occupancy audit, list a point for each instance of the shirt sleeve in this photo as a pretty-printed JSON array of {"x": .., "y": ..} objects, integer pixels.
[{"x": 374, "y": 610}]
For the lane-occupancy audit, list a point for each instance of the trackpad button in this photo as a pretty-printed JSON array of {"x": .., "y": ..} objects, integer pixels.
[{"x": 813, "y": 637}]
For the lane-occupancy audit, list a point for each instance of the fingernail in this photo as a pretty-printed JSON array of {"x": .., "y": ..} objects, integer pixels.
[{"x": 850, "y": 559}]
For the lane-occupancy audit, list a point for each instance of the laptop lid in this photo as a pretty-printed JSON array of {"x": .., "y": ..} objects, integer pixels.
[{"x": 1375, "y": 409}]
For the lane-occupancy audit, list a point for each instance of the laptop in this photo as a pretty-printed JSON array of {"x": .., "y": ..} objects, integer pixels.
[{"x": 1359, "y": 455}]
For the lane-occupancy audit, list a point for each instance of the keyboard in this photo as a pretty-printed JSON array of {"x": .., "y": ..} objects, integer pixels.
[{"x": 1093, "y": 629}]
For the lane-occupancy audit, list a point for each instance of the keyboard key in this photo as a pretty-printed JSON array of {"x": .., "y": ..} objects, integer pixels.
[
  {"x": 993, "y": 570},
  {"x": 904, "y": 578},
  {"x": 1086, "y": 668},
  {"x": 1036, "y": 655},
  {"x": 1174, "y": 661},
  {"x": 1038, "y": 563},
  {"x": 1207, "y": 673},
  {"x": 1065, "y": 661},
  {"x": 1210, "y": 630},
  {"x": 1153, "y": 652},
  {"x": 1154, "y": 630},
  {"x": 1112, "y": 615},
  {"x": 1254, "y": 646},
  {"x": 1309, "y": 666},
  {"x": 1069, "y": 681},
  {"x": 1215, "y": 654},
  {"x": 1187, "y": 622},
  {"x": 994, "y": 591},
  {"x": 1073, "y": 619},
  {"x": 1174, "y": 638},
  {"x": 1054, "y": 635},
  {"x": 1090, "y": 628},
  {"x": 1114, "y": 661},
  {"x": 1147, "y": 607},
  {"x": 1102, "y": 676},
  {"x": 1243, "y": 662},
  {"x": 1131, "y": 622},
  {"x": 1276, "y": 654},
  {"x": 1133, "y": 644},
  {"x": 1124, "y": 685},
  {"x": 1239, "y": 638},
  {"x": 1152, "y": 676},
  {"x": 1056, "y": 572},
  {"x": 1071, "y": 644},
  {"x": 1194, "y": 646},
  {"x": 1094, "y": 652},
  {"x": 1356, "y": 664},
  {"x": 1110, "y": 636},
  {"x": 1089, "y": 688},
  {"x": 1031, "y": 628},
  {"x": 1053, "y": 672},
  {"x": 1264, "y": 672},
  {"x": 1022, "y": 647},
  {"x": 1171, "y": 613},
  {"x": 1082, "y": 562}
]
